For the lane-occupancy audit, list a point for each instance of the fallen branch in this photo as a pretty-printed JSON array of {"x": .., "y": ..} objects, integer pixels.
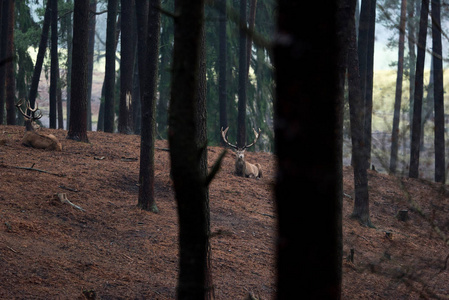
[
  {"x": 63, "y": 198},
  {"x": 68, "y": 188},
  {"x": 33, "y": 169}
]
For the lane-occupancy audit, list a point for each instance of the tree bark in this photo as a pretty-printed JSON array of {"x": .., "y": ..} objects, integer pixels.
[
  {"x": 3, "y": 57},
  {"x": 417, "y": 106},
  {"x": 110, "y": 67},
  {"x": 78, "y": 105},
  {"x": 440, "y": 175},
  {"x": 10, "y": 78},
  {"x": 90, "y": 61},
  {"x": 54, "y": 67},
  {"x": 222, "y": 81},
  {"x": 189, "y": 184},
  {"x": 308, "y": 114},
  {"x": 241, "y": 118},
  {"x": 149, "y": 21},
  {"x": 398, "y": 95},
  {"x": 125, "y": 120}
]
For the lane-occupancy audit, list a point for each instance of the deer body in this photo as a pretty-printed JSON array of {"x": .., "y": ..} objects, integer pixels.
[
  {"x": 33, "y": 138},
  {"x": 242, "y": 167}
]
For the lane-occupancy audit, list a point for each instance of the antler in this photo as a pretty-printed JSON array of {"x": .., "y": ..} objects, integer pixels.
[
  {"x": 223, "y": 134},
  {"x": 257, "y": 134},
  {"x": 32, "y": 117}
]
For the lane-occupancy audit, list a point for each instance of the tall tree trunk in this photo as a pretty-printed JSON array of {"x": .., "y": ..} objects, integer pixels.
[
  {"x": 249, "y": 40},
  {"x": 40, "y": 55},
  {"x": 54, "y": 68},
  {"x": 164, "y": 85},
  {"x": 438, "y": 93},
  {"x": 357, "y": 112},
  {"x": 189, "y": 184},
  {"x": 412, "y": 58},
  {"x": 222, "y": 90},
  {"x": 419, "y": 77},
  {"x": 10, "y": 77},
  {"x": 149, "y": 22},
  {"x": 308, "y": 114},
  {"x": 136, "y": 94},
  {"x": 3, "y": 57},
  {"x": 59, "y": 102},
  {"x": 125, "y": 120},
  {"x": 78, "y": 105},
  {"x": 109, "y": 77},
  {"x": 398, "y": 95},
  {"x": 69, "y": 30},
  {"x": 90, "y": 60},
  {"x": 241, "y": 119}
]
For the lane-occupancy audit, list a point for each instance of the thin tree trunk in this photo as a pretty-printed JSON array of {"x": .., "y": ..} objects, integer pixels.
[
  {"x": 90, "y": 61},
  {"x": 69, "y": 62},
  {"x": 78, "y": 105},
  {"x": 308, "y": 114},
  {"x": 438, "y": 93},
  {"x": 251, "y": 21},
  {"x": 59, "y": 102},
  {"x": 419, "y": 77},
  {"x": 40, "y": 55},
  {"x": 412, "y": 59},
  {"x": 149, "y": 21},
  {"x": 110, "y": 67},
  {"x": 241, "y": 119},
  {"x": 398, "y": 95},
  {"x": 3, "y": 57},
  {"x": 222, "y": 84},
  {"x": 10, "y": 78},
  {"x": 54, "y": 68}
]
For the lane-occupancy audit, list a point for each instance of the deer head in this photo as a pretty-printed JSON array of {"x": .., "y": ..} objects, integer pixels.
[
  {"x": 30, "y": 120},
  {"x": 243, "y": 168}
]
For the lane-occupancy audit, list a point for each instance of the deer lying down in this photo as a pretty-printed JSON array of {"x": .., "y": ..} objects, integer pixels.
[
  {"x": 242, "y": 167},
  {"x": 32, "y": 137}
]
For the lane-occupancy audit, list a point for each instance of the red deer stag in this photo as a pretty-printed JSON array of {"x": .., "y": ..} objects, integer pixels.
[
  {"x": 32, "y": 137},
  {"x": 243, "y": 168}
]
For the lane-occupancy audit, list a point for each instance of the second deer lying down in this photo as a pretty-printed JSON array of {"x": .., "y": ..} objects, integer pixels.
[
  {"x": 32, "y": 137},
  {"x": 242, "y": 167}
]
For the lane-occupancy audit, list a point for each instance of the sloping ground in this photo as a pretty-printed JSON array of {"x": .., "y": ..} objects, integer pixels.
[{"x": 51, "y": 250}]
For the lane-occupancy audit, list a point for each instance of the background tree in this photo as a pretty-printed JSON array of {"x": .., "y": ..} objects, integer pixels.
[
  {"x": 90, "y": 60},
  {"x": 148, "y": 22},
  {"x": 438, "y": 92},
  {"x": 78, "y": 105},
  {"x": 3, "y": 57},
  {"x": 54, "y": 69},
  {"x": 398, "y": 95},
  {"x": 125, "y": 121},
  {"x": 10, "y": 76},
  {"x": 222, "y": 91},
  {"x": 109, "y": 77},
  {"x": 189, "y": 184},
  {"x": 308, "y": 114},
  {"x": 241, "y": 123},
  {"x": 417, "y": 105}
]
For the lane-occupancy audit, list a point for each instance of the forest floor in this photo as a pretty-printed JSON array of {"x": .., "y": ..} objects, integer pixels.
[{"x": 51, "y": 250}]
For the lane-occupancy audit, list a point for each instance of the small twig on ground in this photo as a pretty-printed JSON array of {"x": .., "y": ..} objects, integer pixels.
[
  {"x": 12, "y": 249},
  {"x": 69, "y": 189},
  {"x": 32, "y": 169},
  {"x": 162, "y": 149}
]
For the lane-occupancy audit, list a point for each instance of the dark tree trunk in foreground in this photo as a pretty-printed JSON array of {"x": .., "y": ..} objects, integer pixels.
[
  {"x": 125, "y": 120},
  {"x": 109, "y": 76},
  {"x": 440, "y": 175},
  {"x": 10, "y": 78},
  {"x": 78, "y": 105},
  {"x": 189, "y": 183},
  {"x": 357, "y": 112},
  {"x": 398, "y": 96},
  {"x": 54, "y": 68},
  {"x": 241, "y": 118},
  {"x": 222, "y": 93},
  {"x": 308, "y": 258},
  {"x": 40, "y": 55},
  {"x": 417, "y": 105},
  {"x": 149, "y": 21}
]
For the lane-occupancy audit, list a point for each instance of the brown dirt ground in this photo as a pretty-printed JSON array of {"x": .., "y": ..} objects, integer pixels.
[{"x": 51, "y": 250}]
